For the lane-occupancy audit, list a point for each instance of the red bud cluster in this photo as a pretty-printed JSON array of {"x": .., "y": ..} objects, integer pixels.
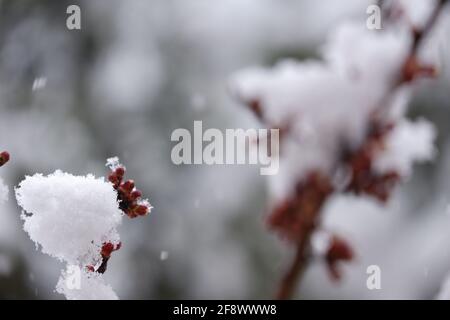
[
  {"x": 108, "y": 248},
  {"x": 364, "y": 180},
  {"x": 128, "y": 196},
  {"x": 296, "y": 216},
  {"x": 130, "y": 203},
  {"x": 4, "y": 158},
  {"x": 338, "y": 250},
  {"x": 106, "y": 251},
  {"x": 413, "y": 69}
]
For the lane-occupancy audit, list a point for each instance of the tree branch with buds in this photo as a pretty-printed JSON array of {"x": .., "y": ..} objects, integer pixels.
[
  {"x": 363, "y": 180},
  {"x": 130, "y": 202},
  {"x": 290, "y": 96},
  {"x": 75, "y": 219}
]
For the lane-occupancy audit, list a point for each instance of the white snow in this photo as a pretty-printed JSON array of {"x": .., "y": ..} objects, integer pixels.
[
  {"x": 87, "y": 286},
  {"x": 408, "y": 142},
  {"x": 4, "y": 191},
  {"x": 69, "y": 216},
  {"x": 39, "y": 83},
  {"x": 164, "y": 255},
  {"x": 113, "y": 163},
  {"x": 320, "y": 242}
]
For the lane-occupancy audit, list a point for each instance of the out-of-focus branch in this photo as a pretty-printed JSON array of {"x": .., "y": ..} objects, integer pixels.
[
  {"x": 298, "y": 218},
  {"x": 310, "y": 214},
  {"x": 295, "y": 271}
]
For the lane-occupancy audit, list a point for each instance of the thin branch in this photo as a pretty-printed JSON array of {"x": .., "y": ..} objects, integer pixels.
[
  {"x": 419, "y": 35},
  {"x": 295, "y": 271}
]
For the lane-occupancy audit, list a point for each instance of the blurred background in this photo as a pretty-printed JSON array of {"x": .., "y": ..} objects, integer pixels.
[{"x": 139, "y": 69}]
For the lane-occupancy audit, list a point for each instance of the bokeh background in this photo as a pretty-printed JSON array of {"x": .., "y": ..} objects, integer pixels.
[{"x": 139, "y": 69}]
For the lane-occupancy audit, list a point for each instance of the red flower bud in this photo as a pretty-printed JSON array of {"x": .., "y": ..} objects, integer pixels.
[
  {"x": 4, "y": 158},
  {"x": 136, "y": 194},
  {"x": 128, "y": 185},
  {"x": 141, "y": 210},
  {"x": 130, "y": 213},
  {"x": 113, "y": 179},
  {"x": 107, "y": 248},
  {"x": 413, "y": 69},
  {"x": 339, "y": 250},
  {"x": 120, "y": 171}
]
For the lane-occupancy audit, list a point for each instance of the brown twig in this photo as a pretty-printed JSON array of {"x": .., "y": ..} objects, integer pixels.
[
  {"x": 297, "y": 219},
  {"x": 292, "y": 276},
  {"x": 419, "y": 35},
  {"x": 103, "y": 266}
]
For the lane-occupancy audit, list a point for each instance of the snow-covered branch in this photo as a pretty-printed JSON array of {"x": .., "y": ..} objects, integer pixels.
[
  {"x": 75, "y": 219},
  {"x": 343, "y": 127}
]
